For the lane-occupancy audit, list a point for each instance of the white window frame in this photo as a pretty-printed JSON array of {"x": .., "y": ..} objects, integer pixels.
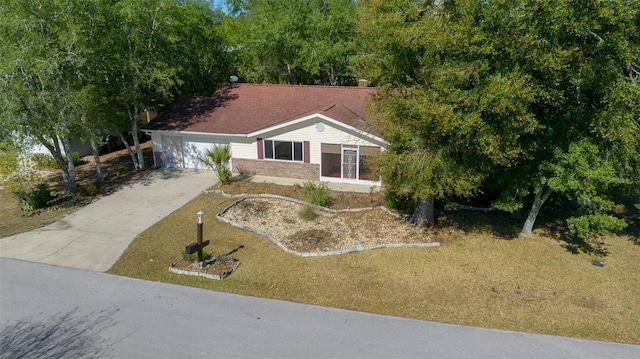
[{"x": 273, "y": 150}]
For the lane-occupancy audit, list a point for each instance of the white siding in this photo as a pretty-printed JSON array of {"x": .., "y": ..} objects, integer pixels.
[
  {"x": 156, "y": 142},
  {"x": 244, "y": 149},
  {"x": 303, "y": 132}
]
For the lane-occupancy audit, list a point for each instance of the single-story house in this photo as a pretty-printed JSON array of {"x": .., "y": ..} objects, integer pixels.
[{"x": 303, "y": 132}]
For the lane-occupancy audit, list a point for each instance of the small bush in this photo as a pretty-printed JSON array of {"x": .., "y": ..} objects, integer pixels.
[
  {"x": 391, "y": 200},
  {"x": 89, "y": 190},
  {"x": 595, "y": 225},
  {"x": 14, "y": 177},
  {"x": 33, "y": 199},
  {"x": 44, "y": 161},
  {"x": 307, "y": 213},
  {"x": 316, "y": 193},
  {"x": 400, "y": 203},
  {"x": 77, "y": 159},
  {"x": 218, "y": 160}
]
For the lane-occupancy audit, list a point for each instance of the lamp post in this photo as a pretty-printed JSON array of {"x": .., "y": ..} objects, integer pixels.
[
  {"x": 199, "y": 236},
  {"x": 199, "y": 244}
]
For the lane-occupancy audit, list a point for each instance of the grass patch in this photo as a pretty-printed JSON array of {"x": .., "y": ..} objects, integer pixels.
[
  {"x": 532, "y": 285},
  {"x": 13, "y": 220}
]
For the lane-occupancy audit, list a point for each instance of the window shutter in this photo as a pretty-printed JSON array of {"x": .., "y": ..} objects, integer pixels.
[
  {"x": 306, "y": 151},
  {"x": 260, "y": 149}
]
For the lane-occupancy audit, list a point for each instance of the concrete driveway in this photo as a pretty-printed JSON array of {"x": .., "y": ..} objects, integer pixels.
[{"x": 94, "y": 237}]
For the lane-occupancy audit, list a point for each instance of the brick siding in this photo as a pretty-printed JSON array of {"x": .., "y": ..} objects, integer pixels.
[{"x": 297, "y": 170}]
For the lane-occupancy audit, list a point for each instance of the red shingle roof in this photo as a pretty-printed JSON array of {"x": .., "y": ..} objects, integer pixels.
[{"x": 246, "y": 108}]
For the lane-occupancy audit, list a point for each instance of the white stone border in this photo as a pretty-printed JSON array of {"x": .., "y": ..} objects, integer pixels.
[
  {"x": 196, "y": 273},
  {"x": 357, "y": 248}
]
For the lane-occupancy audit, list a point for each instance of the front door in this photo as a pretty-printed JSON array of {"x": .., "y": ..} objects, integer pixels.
[{"x": 350, "y": 163}]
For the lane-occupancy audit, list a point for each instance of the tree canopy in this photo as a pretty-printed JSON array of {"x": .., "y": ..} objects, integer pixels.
[
  {"x": 293, "y": 41},
  {"x": 82, "y": 68},
  {"x": 499, "y": 95}
]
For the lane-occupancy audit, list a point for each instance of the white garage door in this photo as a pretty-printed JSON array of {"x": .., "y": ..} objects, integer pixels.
[
  {"x": 172, "y": 148},
  {"x": 196, "y": 147}
]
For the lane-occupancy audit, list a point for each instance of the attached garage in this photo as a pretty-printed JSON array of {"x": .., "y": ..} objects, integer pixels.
[{"x": 185, "y": 151}]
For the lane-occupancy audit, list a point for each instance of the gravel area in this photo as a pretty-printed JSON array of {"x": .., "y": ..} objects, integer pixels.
[{"x": 328, "y": 231}]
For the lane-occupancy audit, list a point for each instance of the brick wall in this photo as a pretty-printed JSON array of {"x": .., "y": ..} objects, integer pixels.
[{"x": 297, "y": 170}]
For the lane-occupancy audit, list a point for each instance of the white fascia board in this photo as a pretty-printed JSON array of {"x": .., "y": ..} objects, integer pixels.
[
  {"x": 199, "y": 134},
  {"x": 323, "y": 117}
]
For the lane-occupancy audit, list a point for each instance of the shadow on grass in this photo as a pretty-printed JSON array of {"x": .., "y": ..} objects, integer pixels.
[
  {"x": 235, "y": 250},
  {"x": 551, "y": 221},
  {"x": 631, "y": 214},
  {"x": 500, "y": 224},
  {"x": 558, "y": 230},
  {"x": 63, "y": 335}
]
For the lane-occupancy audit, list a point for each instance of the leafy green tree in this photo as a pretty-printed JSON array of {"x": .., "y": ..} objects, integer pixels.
[
  {"x": 500, "y": 95},
  {"x": 80, "y": 68},
  {"x": 43, "y": 66},
  {"x": 152, "y": 51},
  {"x": 293, "y": 41}
]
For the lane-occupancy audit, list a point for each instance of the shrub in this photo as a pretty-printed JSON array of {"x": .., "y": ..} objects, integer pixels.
[
  {"x": 391, "y": 201},
  {"x": 77, "y": 159},
  {"x": 316, "y": 193},
  {"x": 218, "y": 161},
  {"x": 400, "y": 203},
  {"x": 595, "y": 225},
  {"x": 44, "y": 161},
  {"x": 307, "y": 213},
  {"x": 89, "y": 190},
  {"x": 30, "y": 200}
]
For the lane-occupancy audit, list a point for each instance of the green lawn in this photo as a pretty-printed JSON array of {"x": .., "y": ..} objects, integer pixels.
[{"x": 474, "y": 278}]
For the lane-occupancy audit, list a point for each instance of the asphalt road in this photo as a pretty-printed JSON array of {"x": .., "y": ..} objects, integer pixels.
[{"x": 57, "y": 312}]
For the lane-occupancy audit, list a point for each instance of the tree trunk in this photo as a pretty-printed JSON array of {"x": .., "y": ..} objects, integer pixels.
[
  {"x": 424, "y": 213},
  {"x": 69, "y": 179},
  {"x": 96, "y": 158},
  {"x": 133, "y": 156},
  {"x": 541, "y": 197},
  {"x": 94, "y": 148},
  {"x": 136, "y": 142},
  {"x": 133, "y": 116},
  {"x": 71, "y": 167}
]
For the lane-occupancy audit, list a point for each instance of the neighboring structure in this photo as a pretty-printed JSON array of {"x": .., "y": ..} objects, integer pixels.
[{"x": 302, "y": 132}]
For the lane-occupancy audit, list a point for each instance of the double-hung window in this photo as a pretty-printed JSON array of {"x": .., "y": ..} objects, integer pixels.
[{"x": 283, "y": 150}]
